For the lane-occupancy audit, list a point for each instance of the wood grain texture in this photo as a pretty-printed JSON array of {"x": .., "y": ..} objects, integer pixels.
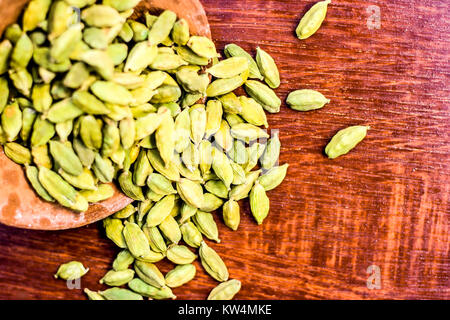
[{"x": 386, "y": 203}]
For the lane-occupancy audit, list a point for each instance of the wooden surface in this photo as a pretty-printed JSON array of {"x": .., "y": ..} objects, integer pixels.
[{"x": 386, "y": 203}]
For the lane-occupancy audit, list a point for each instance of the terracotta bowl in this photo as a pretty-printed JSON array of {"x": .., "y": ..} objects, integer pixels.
[{"x": 19, "y": 205}]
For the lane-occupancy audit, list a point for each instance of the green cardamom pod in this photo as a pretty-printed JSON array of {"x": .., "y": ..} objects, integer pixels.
[
  {"x": 231, "y": 214},
  {"x": 180, "y": 275},
  {"x": 71, "y": 271},
  {"x": 206, "y": 224},
  {"x": 161, "y": 27},
  {"x": 11, "y": 121},
  {"x": 155, "y": 239},
  {"x": 306, "y": 100},
  {"x": 273, "y": 178},
  {"x": 272, "y": 152},
  {"x": 191, "y": 192},
  {"x": 180, "y": 32},
  {"x": 268, "y": 68},
  {"x": 191, "y": 235},
  {"x": 114, "y": 231},
  {"x": 120, "y": 294},
  {"x": 229, "y": 68},
  {"x": 17, "y": 153},
  {"x": 180, "y": 254},
  {"x": 263, "y": 95},
  {"x": 259, "y": 203},
  {"x": 136, "y": 240},
  {"x": 117, "y": 278},
  {"x": 232, "y": 50},
  {"x": 225, "y": 291},
  {"x": 160, "y": 211},
  {"x": 92, "y": 295},
  {"x": 139, "y": 286},
  {"x": 66, "y": 158},
  {"x": 345, "y": 140},
  {"x": 149, "y": 273},
  {"x": 123, "y": 260},
  {"x": 103, "y": 192},
  {"x": 32, "y": 174},
  {"x": 169, "y": 227},
  {"x": 312, "y": 20},
  {"x": 212, "y": 263}
]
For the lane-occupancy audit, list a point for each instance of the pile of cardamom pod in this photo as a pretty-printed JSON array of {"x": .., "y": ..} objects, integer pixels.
[{"x": 89, "y": 97}]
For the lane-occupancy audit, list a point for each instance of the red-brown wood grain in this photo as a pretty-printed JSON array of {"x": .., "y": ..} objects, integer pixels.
[{"x": 386, "y": 203}]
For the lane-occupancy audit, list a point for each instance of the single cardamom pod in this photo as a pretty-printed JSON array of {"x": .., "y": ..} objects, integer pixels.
[
  {"x": 211, "y": 202},
  {"x": 120, "y": 294},
  {"x": 206, "y": 224},
  {"x": 312, "y": 20},
  {"x": 11, "y": 121},
  {"x": 125, "y": 212},
  {"x": 101, "y": 16},
  {"x": 202, "y": 46},
  {"x": 17, "y": 153},
  {"x": 306, "y": 100},
  {"x": 225, "y": 291},
  {"x": 191, "y": 235},
  {"x": 180, "y": 275},
  {"x": 263, "y": 95},
  {"x": 259, "y": 203},
  {"x": 229, "y": 68},
  {"x": 161, "y": 27},
  {"x": 160, "y": 211},
  {"x": 103, "y": 192},
  {"x": 139, "y": 286},
  {"x": 212, "y": 263},
  {"x": 241, "y": 191},
  {"x": 221, "y": 87},
  {"x": 252, "y": 112},
  {"x": 222, "y": 167},
  {"x": 273, "y": 178},
  {"x": 223, "y": 137},
  {"x": 123, "y": 260},
  {"x": 149, "y": 273},
  {"x": 136, "y": 240},
  {"x": 114, "y": 231},
  {"x": 345, "y": 140},
  {"x": 231, "y": 214},
  {"x": 71, "y": 271},
  {"x": 142, "y": 169},
  {"x": 233, "y": 50},
  {"x": 248, "y": 132},
  {"x": 217, "y": 188},
  {"x": 129, "y": 188},
  {"x": 171, "y": 172},
  {"x": 180, "y": 254},
  {"x": 191, "y": 192},
  {"x": 268, "y": 68},
  {"x": 160, "y": 184},
  {"x": 92, "y": 295},
  {"x": 164, "y": 135},
  {"x": 155, "y": 239},
  {"x": 169, "y": 227},
  {"x": 272, "y": 153},
  {"x": 117, "y": 278}
]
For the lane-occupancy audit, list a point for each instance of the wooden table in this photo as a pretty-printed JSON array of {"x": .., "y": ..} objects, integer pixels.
[{"x": 386, "y": 204}]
